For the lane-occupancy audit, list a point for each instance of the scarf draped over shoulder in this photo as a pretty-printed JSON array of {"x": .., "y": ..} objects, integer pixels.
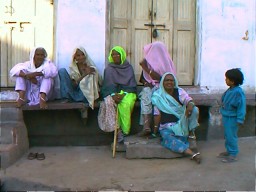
[
  {"x": 89, "y": 85},
  {"x": 166, "y": 103}
]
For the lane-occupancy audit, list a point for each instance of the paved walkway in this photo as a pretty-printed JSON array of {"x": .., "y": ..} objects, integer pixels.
[{"x": 93, "y": 168}]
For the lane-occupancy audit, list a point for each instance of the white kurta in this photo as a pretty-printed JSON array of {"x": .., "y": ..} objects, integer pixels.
[{"x": 44, "y": 84}]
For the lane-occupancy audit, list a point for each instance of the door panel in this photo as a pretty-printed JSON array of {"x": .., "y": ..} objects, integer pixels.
[
  {"x": 163, "y": 15},
  {"x": 119, "y": 32},
  {"x": 141, "y": 38},
  {"x": 184, "y": 40},
  {"x": 22, "y": 28},
  {"x": 141, "y": 34}
]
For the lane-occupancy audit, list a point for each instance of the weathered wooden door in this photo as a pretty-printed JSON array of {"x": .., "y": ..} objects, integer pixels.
[
  {"x": 135, "y": 23},
  {"x": 23, "y": 25}
]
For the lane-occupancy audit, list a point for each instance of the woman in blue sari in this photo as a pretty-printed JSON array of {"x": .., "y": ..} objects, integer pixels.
[{"x": 175, "y": 115}]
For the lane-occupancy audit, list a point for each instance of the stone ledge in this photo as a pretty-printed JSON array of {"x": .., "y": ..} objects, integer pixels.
[
  {"x": 56, "y": 105},
  {"x": 215, "y": 99},
  {"x": 52, "y": 105},
  {"x": 201, "y": 99}
]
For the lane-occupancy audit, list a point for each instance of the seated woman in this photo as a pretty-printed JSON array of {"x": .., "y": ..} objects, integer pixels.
[
  {"x": 35, "y": 79},
  {"x": 119, "y": 93},
  {"x": 176, "y": 116},
  {"x": 156, "y": 62},
  {"x": 82, "y": 84}
]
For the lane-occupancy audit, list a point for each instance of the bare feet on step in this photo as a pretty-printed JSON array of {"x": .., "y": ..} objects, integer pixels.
[
  {"x": 43, "y": 104},
  {"x": 20, "y": 102}
]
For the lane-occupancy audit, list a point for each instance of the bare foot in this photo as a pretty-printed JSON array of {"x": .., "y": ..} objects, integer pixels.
[
  {"x": 20, "y": 102},
  {"x": 43, "y": 104}
]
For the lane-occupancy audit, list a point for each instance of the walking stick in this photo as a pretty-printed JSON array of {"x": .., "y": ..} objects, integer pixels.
[{"x": 115, "y": 134}]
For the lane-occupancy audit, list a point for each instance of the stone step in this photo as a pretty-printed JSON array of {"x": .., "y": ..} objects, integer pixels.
[
  {"x": 13, "y": 135},
  {"x": 144, "y": 148},
  {"x": 9, "y": 132},
  {"x": 10, "y": 113},
  {"x": 9, "y": 155}
]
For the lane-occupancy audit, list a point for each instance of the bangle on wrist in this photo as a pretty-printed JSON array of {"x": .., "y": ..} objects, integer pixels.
[
  {"x": 155, "y": 126},
  {"x": 150, "y": 72}
]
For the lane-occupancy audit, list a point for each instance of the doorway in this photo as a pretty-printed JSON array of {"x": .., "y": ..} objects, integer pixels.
[
  {"x": 23, "y": 25},
  {"x": 134, "y": 24}
]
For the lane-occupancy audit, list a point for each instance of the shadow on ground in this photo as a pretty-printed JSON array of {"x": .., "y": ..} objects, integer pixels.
[{"x": 13, "y": 184}]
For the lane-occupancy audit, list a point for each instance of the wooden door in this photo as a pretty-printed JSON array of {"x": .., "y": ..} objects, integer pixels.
[
  {"x": 133, "y": 22},
  {"x": 183, "y": 52},
  {"x": 23, "y": 25}
]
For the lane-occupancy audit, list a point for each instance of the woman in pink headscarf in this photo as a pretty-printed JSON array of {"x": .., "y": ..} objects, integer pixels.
[{"x": 156, "y": 62}]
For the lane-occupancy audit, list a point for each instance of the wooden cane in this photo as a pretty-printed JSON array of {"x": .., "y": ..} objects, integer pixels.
[{"x": 115, "y": 134}]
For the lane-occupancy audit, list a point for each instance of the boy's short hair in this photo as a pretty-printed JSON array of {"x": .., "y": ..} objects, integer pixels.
[{"x": 235, "y": 75}]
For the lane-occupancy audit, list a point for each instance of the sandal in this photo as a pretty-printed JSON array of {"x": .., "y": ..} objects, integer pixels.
[
  {"x": 229, "y": 159},
  {"x": 192, "y": 135},
  {"x": 43, "y": 104},
  {"x": 196, "y": 158},
  {"x": 144, "y": 132},
  {"x": 32, "y": 156},
  {"x": 223, "y": 155},
  {"x": 40, "y": 156},
  {"x": 20, "y": 102}
]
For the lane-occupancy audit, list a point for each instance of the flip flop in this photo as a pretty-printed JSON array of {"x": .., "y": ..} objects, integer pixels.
[
  {"x": 144, "y": 133},
  {"x": 20, "y": 102},
  {"x": 223, "y": 155},
  {"x": 43, "y": 104},
  {"x": 32, "y": 156},
  {"x": 40, "y": 156},
  {"x": 196, "y": 158},
  {"x": 229, "y": 159}
]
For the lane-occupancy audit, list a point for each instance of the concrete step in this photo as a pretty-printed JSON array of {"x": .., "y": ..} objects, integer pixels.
[
  {"x": 10, "y": 113},
  {"x": 13, "y": 135},
  {"x": 9, "y": 132},
  {"x": 10, "y": 153},
  {"x": 144, "y": 148}
]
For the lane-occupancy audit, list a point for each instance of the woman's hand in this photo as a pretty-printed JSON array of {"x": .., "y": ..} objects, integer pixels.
[
  {"x": 146, "y": 84},
  {"x": 88, "y": 71},
  {"x": 33, "y": 80},
  {"x": 143, "y": 64},
  {"x": 118, "y": 97},
  {"x": 188, "y": 112},
  {"x": 31, "y": 77},
  {"x": 92, "y": 70},
  {"x": 74, "y": 83},
  {"x": 189, "y": 108}
]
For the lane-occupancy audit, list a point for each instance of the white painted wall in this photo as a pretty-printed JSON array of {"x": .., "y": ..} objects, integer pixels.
[
  {"x": 80, "y": 22},
  {"x": 223, "y": 24}
]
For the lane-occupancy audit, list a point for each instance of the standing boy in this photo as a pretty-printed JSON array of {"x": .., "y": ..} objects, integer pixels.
[{"x": 233, "y": 112}]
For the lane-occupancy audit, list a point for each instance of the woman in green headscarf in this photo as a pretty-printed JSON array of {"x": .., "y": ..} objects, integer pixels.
[{"x": 119, "y": 92}]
